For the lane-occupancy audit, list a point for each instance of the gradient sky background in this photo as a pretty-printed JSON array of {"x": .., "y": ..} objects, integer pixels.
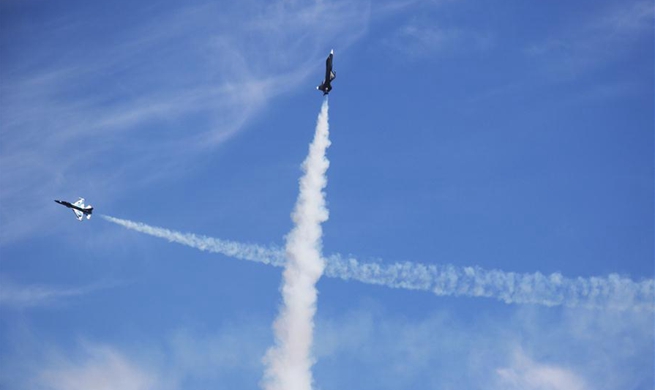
[{"x": 511, "y": 135}]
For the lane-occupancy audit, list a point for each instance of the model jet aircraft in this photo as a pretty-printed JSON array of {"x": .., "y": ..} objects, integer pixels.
[
  {"x": 78, "y": 208},
  {"x": 326, "y": 85}
]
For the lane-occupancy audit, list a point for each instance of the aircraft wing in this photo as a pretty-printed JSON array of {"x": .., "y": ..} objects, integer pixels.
[
  {"x": 79, "y": 203},
  {"x": 78, "y": 214}
]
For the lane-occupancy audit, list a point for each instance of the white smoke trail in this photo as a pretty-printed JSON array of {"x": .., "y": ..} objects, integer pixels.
[
  {"x": 289, "y": 361},
  {"x": 251, "y": 252},
  {"x": 609, "y": 292}
]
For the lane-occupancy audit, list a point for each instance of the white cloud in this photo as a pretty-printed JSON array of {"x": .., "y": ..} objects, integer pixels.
[
  {"x": 186, "y": 358},
  {"x": 528, "y": 349},
  {"x": 526, "y": 374},
  {"x": 24, "y": 296},
  {"x": 367, "y": 346},
  {"x": 99, "y": 368}
]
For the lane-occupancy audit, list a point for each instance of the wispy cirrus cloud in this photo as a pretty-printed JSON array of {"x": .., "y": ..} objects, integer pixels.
[
  {"x": 602, "y": 35},
  {"x": 419, "y": 39},
  {"x": 418, "y": 36},
  {"x": 131, "y": 104},
  {"x": 26, "y": 296}
]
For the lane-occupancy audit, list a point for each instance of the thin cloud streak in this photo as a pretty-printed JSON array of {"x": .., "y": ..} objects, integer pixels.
[
  {"x": 600, "y": 38},
  {"x": 17, "y": 296},
  {"x": 599, "y": 292},
  {"x": 128, "y": 100},
  {"x": 418, "y": 40}
]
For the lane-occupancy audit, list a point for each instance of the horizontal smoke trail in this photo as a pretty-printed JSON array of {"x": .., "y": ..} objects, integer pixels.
[{"x": 612, "y": 292}]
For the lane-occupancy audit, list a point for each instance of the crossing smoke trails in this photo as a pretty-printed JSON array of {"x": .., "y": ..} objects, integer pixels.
[
  {"x": 609, "y": 292},
  {"x": 289, "y": 361}
]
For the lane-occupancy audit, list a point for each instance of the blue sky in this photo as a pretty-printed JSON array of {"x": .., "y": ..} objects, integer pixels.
[{"x": 514, "y": 137}]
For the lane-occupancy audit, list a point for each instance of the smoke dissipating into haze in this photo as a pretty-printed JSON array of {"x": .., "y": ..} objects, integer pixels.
[
  {"x": 601, "y": 292},
  {"x": 289, "y": 361}
]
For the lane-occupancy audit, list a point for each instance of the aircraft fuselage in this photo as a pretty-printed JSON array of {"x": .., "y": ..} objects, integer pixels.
[
  {"x": 72, "y": 206},
  {"x": 326, "y": 85}
]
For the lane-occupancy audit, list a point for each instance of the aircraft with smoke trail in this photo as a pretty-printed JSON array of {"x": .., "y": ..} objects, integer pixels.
[
  {"x": 326, "y": 85},
  {"x": 79, "y": 208}
]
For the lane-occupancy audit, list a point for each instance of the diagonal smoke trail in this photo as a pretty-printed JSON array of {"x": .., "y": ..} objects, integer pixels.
[
  {"x": 289, "y": 361},
  {"x": 609, "y": 292},
  {"x": 251, "y": 252}
]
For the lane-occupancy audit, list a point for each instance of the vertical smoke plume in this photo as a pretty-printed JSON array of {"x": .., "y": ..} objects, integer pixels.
[{"x": 289, "y": 361}]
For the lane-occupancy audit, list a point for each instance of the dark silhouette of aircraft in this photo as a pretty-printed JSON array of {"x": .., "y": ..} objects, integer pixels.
[{"x": 326, "y": 85}]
